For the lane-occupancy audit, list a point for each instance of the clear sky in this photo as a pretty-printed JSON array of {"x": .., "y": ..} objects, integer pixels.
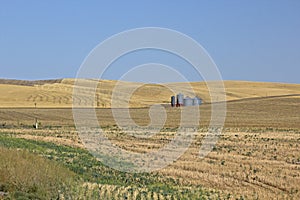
[{"x": 256, "y": 40}]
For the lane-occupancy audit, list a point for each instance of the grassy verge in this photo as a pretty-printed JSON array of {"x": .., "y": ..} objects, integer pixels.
[
  {"x": 71, "y": 162},
  {"x": 24, "y": 175}
]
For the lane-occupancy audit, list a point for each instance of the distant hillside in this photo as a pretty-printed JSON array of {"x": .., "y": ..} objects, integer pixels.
[
  {"x": 58, "y": 93},
  {"x": 28, "y": 83}
]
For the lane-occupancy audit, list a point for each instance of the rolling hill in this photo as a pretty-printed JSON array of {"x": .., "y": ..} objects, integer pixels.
[
  {"x": 58, "y": 93},
  {"x": 260, "y": 136}
]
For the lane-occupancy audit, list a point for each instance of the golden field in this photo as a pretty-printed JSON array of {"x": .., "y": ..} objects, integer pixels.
[
  {"x": 256, "y": 157},
  {"x": 58, "y": 93}
]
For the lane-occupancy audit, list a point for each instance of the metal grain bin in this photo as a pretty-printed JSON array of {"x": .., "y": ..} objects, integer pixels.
[
  {"x": 173, "y": 101},
  {"x": 179, "y": 100},
  {"x": 187, "y": 101},
  {"x": 197, "y": 101}
]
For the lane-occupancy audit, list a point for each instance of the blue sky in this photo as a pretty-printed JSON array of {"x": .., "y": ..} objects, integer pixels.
[{"x": 248, "y": 40}]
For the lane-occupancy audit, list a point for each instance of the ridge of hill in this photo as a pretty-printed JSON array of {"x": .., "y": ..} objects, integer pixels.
[
  {"x": 58, "y": 93},
  {"x": 28, "y": 82}
]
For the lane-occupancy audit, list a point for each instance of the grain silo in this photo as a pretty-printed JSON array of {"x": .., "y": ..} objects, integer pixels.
[
  {"x": 179, "y": 100},
  {"x": 187, "y": 101},
  {"x": 173, "y": 101},
  {"x": 197, "y": 101}
]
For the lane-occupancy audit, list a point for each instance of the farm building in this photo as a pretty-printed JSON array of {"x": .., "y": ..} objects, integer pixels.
[
  {"x": 173, "y": 101},
  {"x": 180, "y": 100},
  {"x": 197, "y": 101},
  {"x": 187, "y": 101}
]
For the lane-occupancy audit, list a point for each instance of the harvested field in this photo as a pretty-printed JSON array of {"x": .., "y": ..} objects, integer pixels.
[
  {"x": 276, "y": 112},
  {"x": 256, "y": 157},
  {"x": 58, "y": 93}
]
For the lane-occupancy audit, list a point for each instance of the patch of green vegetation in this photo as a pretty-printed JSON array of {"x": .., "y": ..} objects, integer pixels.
[
  {"x": 24, "y": 175},
  {"x": 89, "y": 169},
  {"x": 78, "y": 160}
]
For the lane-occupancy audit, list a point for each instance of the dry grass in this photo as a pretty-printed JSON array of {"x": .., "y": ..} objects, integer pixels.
[
  {"x": 277, "y": 113},
  {"x": 264, "y": 165},
  {"x": 261, "y": 165},
  {"x": 257, "y": 155},
  {"x": 24, "y": 175},
  {"x": 255, "y": 164},
  {"x": 58, "y": 93}
]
